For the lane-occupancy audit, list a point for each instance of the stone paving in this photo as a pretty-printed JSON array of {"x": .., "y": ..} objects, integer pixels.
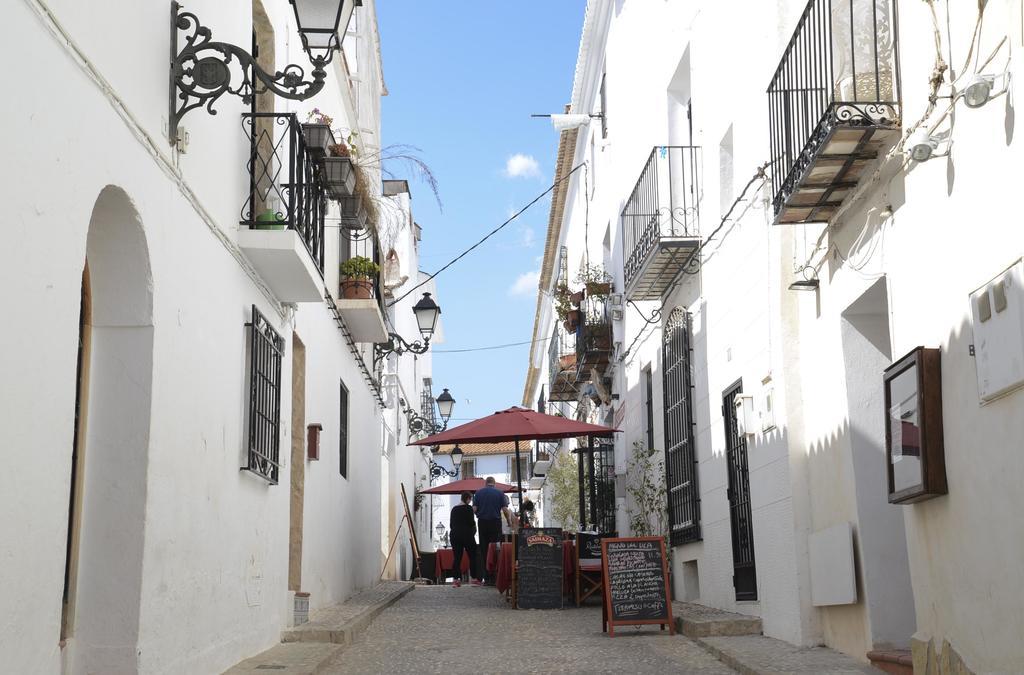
[{"x": 440, "y": 629}]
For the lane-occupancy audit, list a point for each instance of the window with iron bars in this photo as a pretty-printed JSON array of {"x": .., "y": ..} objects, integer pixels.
[
  {"x": 524, "y": 467},
  {"x": 266, "y": 348},
  {"x": 680, "y": 452}
]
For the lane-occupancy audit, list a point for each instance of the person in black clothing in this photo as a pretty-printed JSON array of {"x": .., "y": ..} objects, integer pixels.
[{"x": 462, "y": 526}]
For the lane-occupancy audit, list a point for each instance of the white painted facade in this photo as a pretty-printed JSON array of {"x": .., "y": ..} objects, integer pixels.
[
  {"x": 182, "y": 559},
  {"x": 891, "y": 279}
]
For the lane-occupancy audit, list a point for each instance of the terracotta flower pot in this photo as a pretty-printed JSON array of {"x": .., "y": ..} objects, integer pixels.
[
  {"x": 567, "y": 361},
  {"x": 576, "y": 298},
  {"x": 356, "y": 289},
  {"x": 572, "y": 320}
]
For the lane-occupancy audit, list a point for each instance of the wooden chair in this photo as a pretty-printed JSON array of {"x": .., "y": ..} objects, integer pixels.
[{"x": 589, "y": 578}]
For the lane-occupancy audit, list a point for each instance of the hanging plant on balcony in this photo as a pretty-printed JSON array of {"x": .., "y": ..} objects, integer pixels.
[
  {"x": 316, "y": 132},
  {"x": 563, "y": 302},
  {"x": 597, "y": 282},
  {"x": 572, "y": 320},
  {"x": 339, "y": 172},
  {"x": 357, "y": 278}
]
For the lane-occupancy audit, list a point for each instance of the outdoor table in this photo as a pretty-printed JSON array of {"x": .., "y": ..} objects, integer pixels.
[
  {"x": 444, "y": 561},
  {"x": 492, "y": 557}
]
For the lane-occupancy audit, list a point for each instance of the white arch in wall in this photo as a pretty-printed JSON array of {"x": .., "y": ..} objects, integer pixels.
[{"x": 114, "y": 450}]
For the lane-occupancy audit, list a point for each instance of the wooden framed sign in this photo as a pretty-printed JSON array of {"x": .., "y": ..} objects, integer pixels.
[
  {"x": 636, "y": 591},
  {"x": 539, "y": 577}
]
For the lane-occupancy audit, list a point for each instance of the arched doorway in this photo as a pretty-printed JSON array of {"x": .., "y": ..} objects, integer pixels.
[{"x": 107, "y": 500}]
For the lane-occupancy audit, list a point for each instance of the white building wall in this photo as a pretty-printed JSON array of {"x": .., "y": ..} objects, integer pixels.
[{"x": 213, "y": 561}]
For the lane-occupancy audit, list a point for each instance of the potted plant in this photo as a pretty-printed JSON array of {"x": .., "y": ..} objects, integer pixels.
[
  {"x": 339, "y": 172},
  {"x": 316, "y": 132},
  {"x": 597, "y": 282},
  {"x": 577, "y": 297},
  {"x": 268, "y": 219},
  {"x": 356, "y": 278},
  {"x": 353, "y": 212},
  {"x": 563, "y": 302}
]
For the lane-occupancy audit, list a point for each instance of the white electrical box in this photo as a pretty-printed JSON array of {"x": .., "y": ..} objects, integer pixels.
[
  {"x": 997, "y": 311},
  {"x": 746, "y": 420}
]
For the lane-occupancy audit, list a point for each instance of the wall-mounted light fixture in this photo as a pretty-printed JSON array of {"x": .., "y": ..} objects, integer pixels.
[
  {"x": 922, "y": 146},
  {"x": 419, "y": 424},
  {"x": 427, "y": 312},
  {"x": 979, "y": 89},
  {"x": 201, "y": 72},
  {"x": 436, "y": 470}
]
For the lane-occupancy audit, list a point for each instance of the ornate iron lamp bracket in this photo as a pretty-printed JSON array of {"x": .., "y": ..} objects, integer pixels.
[
  {"x": 201, "y": 72},
  {"x": 396, "y": 344},
  {"x": 436, "y": 471}
]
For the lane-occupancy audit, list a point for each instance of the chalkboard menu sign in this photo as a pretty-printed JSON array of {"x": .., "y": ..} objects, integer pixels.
[
  {"x": 539, "y": 577},
  {"x": 636, "y": 582}
]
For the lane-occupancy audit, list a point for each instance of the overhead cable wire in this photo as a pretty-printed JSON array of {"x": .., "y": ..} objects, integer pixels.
[
  {"x": 484, "y": 349},
  {"x": 488, "y": 235}
]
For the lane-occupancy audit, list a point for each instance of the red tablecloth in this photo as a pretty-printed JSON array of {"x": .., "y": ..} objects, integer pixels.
[
  {"x": 503, "y": 561},
  {"x": 444, "y": 561}
]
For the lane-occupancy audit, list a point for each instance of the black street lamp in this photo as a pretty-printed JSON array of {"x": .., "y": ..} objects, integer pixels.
[
  {"x": 419, "y": 424},
  {"x": 436, "y": 470},
  {"x": 201, "y": 72},
  {"x": 427, "y": 312}
]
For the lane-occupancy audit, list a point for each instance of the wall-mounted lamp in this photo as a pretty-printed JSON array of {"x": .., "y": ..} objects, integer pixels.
[
  {"x": 980, "y": 88},
  {"x": 436, "y": 470},
  {"x": 922, "y": 146},
  {"x": 804, "y": 285},
  {"x": 427, "y": 312},
  {"x": 201, "y": 71},
  {"x": 445, "y": 407}
]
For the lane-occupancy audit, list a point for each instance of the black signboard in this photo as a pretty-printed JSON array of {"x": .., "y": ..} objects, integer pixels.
[
  {"x": 539, "y": 577},
  {"x": 636, "y": 582}
]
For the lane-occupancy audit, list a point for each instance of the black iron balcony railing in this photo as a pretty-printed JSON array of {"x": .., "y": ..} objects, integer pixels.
[
  {"x": 834, "y": 103},
  {"x": 593, "y": 336},
  {"x": 562, "y": 366},
  {"x": 660, "y": 221},
  {"x": 285, "y": 187}
]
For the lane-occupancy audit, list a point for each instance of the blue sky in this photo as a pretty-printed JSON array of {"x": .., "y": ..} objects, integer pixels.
[{"x": 463, "y": 78}]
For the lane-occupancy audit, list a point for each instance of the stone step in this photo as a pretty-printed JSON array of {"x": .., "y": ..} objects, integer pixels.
[
  {"x": 340, "y": 624},
  {"x": 759, "y": 655},
  {"x": 295, "y": 658},
  {"x": 693, "y": 620}
]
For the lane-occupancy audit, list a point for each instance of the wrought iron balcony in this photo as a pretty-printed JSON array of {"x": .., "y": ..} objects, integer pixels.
[
  {"x": 660, "y": 222},
  {"x": 834, "y": 105},
  {"x": 562, "y": 366},
  {"x": 283, "y": 216},
  {"x": 593, "y": 336}
]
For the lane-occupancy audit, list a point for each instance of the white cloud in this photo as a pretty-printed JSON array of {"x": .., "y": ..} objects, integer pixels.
[
  {"x": 529, "y": 238},
  {"x": 522, "y": 166},
  {"x": 525, "y": 284}
]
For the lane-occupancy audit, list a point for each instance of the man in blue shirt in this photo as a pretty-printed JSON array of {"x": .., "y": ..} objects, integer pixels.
[{"x": 490, "y": 504}]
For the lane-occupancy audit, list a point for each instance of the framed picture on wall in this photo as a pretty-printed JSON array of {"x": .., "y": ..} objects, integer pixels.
[{"x": 914, "y": 453}]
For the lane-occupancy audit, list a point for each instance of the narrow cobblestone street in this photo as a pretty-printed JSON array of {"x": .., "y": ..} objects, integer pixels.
[{"x": 471, "y": 630}]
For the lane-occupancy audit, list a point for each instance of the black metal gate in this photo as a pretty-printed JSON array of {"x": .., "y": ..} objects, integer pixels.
[
  {"x": 680, "y": 453},
  {"x": 740, "y": 517}
]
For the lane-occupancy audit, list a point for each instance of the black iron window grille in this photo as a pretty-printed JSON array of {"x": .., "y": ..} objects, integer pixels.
[
  {"x": 839, "y": 70},
  {"x": 343, "y": 430},
  {"x": 266, "y": 349},
  {"x": 663, "y": 207},
  {"x": 286, "y": 189},
  {"x": 680, "y": 451}
]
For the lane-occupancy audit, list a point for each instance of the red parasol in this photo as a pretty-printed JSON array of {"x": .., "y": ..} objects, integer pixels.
[
  {"x": 464, "y": 485},
  {"x": 515, "y": 424}
]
